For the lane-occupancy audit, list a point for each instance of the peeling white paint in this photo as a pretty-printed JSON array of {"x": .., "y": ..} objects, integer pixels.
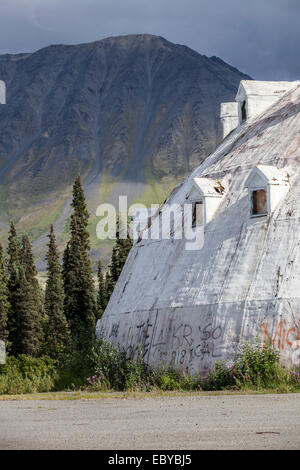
[{"x": 256, "y": 97}]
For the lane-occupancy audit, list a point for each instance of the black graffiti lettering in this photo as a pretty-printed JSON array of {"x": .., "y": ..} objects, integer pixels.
[
  {"x": 197, "y": 350},
  {"x": 206, "y": 333},
  {"x": 143, "y": 331},
  {"x": 217, "y": 332},
  {"x": 213, "y": 352},
  {"x": 182, "y": 356},
  {"x": 114, "y": 330},
  {"x": 173, "y": 358},
  {"x": 175, "y": 334},
  {"x": 205, "y": 349},
  {"x": 187, "y": 331},
  {"x": 155, "y": 341}
]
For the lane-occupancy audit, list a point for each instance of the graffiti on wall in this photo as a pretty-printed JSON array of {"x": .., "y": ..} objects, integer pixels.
[
  {"x": 178, "y": 344},
  {"x": 284, "y": 337}
]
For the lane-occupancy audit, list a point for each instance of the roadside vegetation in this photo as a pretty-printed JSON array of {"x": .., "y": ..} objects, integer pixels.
[
  {"x": 107, "y": 369},
  {"x": 50, "y": 335}
]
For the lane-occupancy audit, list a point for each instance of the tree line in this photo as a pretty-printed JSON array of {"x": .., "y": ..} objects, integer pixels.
[{"x": 62, "y": 318}]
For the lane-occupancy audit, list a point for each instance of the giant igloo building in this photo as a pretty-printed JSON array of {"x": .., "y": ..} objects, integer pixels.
[{"x": 189, "y": 308}]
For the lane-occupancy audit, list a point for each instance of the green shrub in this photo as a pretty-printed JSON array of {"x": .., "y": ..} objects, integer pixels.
[
  {"x": 219, "y": 378},
  {"x": 25, "y": 374},
  {"x": 253, "y": 368},
  {"x": 112, "y": 369},
  {"x": 173, "y": 379},
  {"x": 257, "y": 367},
  {"x": 106, "y": 367}
]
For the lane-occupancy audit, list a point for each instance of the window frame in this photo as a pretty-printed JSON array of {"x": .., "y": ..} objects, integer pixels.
[
  {"x": 250, "y": 198},
  {"x": 201, "y": 202}
]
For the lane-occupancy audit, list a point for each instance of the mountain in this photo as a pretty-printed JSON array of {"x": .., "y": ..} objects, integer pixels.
[{"x": 131, "y": 114}]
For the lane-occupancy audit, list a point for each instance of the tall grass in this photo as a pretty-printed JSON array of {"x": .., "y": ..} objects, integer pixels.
[
  {"x": 27, "y": 375},
  {"x": 254, "y": 368},
  {"x": 105, "y": 367}
]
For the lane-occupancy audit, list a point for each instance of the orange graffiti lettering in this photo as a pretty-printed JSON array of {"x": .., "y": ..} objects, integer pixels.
[{"x": 281, "y": 336}]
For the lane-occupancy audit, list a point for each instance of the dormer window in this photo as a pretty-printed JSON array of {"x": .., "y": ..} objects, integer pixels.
[
  {"x": 267, "y": 185},
  {"x": 198, "y": 215},
  {"x": 259, "y": 202},
  {"x": 205, "y": 195}
]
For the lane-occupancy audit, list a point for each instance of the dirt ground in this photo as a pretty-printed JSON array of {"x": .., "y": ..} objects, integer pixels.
[{"x": 178, "y": 422}]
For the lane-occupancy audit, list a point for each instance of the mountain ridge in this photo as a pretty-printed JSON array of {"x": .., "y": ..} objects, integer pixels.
[{"x": 131, "y": 114}]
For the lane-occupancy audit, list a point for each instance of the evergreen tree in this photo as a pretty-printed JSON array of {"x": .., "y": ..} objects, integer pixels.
[
  {"x": 25, "y": 313},
  {"x": 80, "y": 213},
  {"x": 4, "y": 304},
  {"x": 79, "y": 304},
  {"x": 28, "y": 331},
  {"x": 101, "y": 296},
  {"x": 120, "y": 254},
  {"x": 57, "y": 335},
  {"x": 118, "y": 258},
  {"x": 14, "y": 294},
  {"x": 109, "y": 287}
]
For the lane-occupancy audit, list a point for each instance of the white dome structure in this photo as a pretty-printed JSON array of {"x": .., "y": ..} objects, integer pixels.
[{"x": 190, "y": 308}]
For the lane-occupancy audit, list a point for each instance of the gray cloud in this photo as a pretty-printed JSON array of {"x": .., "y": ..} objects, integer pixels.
[{"x": 261, "y": 38}]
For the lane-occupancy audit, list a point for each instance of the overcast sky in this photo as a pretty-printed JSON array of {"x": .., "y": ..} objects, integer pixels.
[{"x": 259, "y": 37}]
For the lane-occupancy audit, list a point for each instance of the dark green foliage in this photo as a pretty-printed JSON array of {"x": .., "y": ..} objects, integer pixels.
[
  {"x": 109, "y": 287},
  {"x": 25, "y": 298},
  {"x": 101, "y": 295},
  {"x": 29, "y": 308},
  {"x": 256, "y": 366},
  {"x": 220, "y": 378},
  {"x": 14, "y": 276},
  {"x": 79, "y": 303},
  {"x": 80, "y": 213},
  {"x": 119, "y": 255},
  {"x": 113, "y": 370},
  {"x": 106, "y": 367},
  {"x": 57, "y": 334},
  {"x": 118, "y": 258},
  {"x": 4, "y": 304},
  {"x": 253, "y": 368},
  {"x": 26, "y": 374}
]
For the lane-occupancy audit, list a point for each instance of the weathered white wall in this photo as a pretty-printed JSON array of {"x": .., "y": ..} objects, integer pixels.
[
  {"x": 229, "y": 117},
  {"x": 190, "y": 308},
  {"x": 2, "y": 92},
  {"x": 260, "y": 95},
  {"x": 274, "y": 182}
]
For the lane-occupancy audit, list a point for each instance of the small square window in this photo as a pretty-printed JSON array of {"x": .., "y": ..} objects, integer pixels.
[
  {"x": 197, "y": 219},
  {"x": 259, "y": 202}
]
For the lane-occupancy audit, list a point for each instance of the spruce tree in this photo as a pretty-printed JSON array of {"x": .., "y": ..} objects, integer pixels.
[
  {"x": 109, "y": 286},
  {"x": 80, "y": 213},
  {"x": 29, "y": 332},
  {"x": 101, "y": 296},
  {"x": 118, "y": 258},
  {"x": 25, "y": 298},
  {"x": 79, "y": 304},
  {"x": 14, "y": 294},
  {"x": 120, "y": 254},
  {"x": 57, "y": 334},
  {"x": 4, "y": 304}
]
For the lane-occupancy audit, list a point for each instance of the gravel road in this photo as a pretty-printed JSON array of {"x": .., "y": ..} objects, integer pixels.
[{"x": 181, "y": 422}]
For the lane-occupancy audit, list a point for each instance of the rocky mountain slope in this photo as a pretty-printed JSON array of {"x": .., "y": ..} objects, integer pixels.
[{"x": 131, "y": 114}]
